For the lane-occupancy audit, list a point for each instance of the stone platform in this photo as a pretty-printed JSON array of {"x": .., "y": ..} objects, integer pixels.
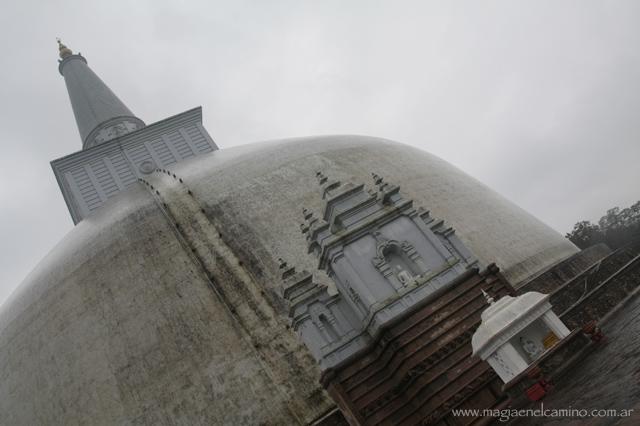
[{"x": 608, "y": 378}]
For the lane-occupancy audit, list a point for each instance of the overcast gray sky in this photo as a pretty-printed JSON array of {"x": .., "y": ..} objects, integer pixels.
[{"x": 537, "y": 99}]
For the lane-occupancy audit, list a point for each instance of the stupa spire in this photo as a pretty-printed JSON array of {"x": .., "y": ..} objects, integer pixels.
[{"x": 100, "y": 114}]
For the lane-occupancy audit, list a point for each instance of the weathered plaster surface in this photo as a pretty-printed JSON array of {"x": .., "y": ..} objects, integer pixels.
[{"x": 119, "y": 325}]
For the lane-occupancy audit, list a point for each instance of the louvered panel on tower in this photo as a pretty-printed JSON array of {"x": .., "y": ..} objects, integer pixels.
[
  {"x": 199, "y": 140},
  {"x": 138, "y": 154},
  {"x": 165, "y": 156},
  {"x": 93, "y": 176},
  {"x": 181, "y": 144},
  {"x": 122, "y": 168},
  {"x": 105, "y": 179}
]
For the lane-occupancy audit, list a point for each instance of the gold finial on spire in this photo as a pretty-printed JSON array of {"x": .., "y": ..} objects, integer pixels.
[{"x": 64, "y": 50}]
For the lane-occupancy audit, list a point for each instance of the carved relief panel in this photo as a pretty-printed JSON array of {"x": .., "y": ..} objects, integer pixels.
[{"x": 384, "y": 257}]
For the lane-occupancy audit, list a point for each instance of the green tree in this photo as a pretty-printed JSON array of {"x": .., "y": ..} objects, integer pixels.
[
  {"x": 616, "y": 228},
  {"x": 585, "y": 234}
]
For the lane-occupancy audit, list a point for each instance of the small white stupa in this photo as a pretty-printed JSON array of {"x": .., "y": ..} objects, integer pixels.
[{"x": 516, "y": 331}]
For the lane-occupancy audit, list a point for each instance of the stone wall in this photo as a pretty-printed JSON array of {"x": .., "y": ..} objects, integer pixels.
[
  {"x": 568, "y": 269},
  {"x": 593, "y": 293},
  {"x": 605, "y": 297}
]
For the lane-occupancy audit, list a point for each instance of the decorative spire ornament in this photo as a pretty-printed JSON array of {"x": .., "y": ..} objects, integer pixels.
[
  {"x": 490, "y": 299},
  {"x": 63, "y": 50}
]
